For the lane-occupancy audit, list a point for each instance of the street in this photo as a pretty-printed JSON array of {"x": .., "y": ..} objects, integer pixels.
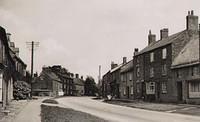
[{"x": 117, "y": 113}]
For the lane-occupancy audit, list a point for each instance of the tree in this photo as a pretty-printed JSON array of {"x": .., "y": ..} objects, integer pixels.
[{"x": 90, "y": 86}]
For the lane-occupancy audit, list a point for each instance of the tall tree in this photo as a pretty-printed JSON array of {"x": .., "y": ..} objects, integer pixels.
[{"x": 90, "y": 86}]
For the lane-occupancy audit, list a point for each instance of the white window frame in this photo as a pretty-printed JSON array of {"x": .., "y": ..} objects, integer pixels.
[
  {"x": 152, "y": 57},
  {"x": 150, "y": 88},
  {"x": 132, "y": 90},
  {"x": 164, "y": 53}
]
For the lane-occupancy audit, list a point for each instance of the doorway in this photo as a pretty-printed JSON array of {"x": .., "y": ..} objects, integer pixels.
[{"x": 180, "y": 91}]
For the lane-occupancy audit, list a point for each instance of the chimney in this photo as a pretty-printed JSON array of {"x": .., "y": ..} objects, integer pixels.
[
  {"x": 191, "y": 21},
  {"x": 136, "y": 50},
  {"x": 124, "y": 60},
  {"x": 8, "y": 36},
  {"x": 16, "y": 50},
  {"x": 164, "y": 33},
  {"x": 77, "y": 75},
  {"x": 113, "y": 65},
  {"x": 72, "y": 75},
  {"x": 151, "y": 38}
]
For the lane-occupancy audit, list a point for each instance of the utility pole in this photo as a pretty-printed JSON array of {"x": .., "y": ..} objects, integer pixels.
[{"x": 33, "y": 45}]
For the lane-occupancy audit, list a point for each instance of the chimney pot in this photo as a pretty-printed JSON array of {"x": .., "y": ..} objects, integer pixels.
[
  {"x": 192, "y": 21},
  {"x": 192, "y": 12},
  {"x": 8, "y": 36},
  {"x": 136, "y": 50},
  {"x": 151, "y": 38},
  {"x": 77, "y": 75},
  {"x": 164, "y": 33},
  {"x": 124, "y": 60}
]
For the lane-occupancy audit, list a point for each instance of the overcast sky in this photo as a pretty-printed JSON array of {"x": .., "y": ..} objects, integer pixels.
[{"x": 83, "y": 34}]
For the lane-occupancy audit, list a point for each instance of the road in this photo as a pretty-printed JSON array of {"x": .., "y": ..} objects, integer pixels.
[{"x": 115, "y": 113}]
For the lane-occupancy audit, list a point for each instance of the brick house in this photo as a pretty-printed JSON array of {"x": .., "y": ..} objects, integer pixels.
[
  {"x": 111, "y": 81},
  {"x": 138, "y": 75},
  {"x": 126, "y": 83},
  {"x": 78, "y": 86},
  {"x": 48, "y": 84},
  {"x": 66, "y": 78},
  {"x": 158, "y": 58},
  {"x": 106, "y": 90},
  {"x": 115, "y": 80}
]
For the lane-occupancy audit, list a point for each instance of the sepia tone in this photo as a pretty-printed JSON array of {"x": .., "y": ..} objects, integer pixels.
[{"x": 99, "y": 61}]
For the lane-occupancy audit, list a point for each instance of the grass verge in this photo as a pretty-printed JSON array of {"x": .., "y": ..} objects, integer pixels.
[
  {"x": 52, "y": 101},
  {"x": 58, "y": 114}
]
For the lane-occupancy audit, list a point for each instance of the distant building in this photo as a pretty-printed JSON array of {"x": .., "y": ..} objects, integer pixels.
[
  {"x": 78, "y": 86},
  {"x": 48, "y": 84},
  {"x": 126, "y": 82}
]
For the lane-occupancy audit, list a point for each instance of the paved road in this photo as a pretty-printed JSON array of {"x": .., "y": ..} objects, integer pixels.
[{"x": 116, "y": 113}]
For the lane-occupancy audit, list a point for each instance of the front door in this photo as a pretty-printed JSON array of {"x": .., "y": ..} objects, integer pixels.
[
  {"x": 180, "y": 91},
  {"x": 127, "y": 91}
]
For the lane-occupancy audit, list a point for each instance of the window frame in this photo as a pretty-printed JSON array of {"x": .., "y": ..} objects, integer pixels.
[
  {"x": 164, "y": 53},
  {"x": 152, "y": 57}
]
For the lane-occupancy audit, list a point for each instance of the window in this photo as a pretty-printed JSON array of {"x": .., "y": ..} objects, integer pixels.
[
  {"x": 130, "y": 76},
  {"x": 164, "y": 87},
  {"x": 124, "y": 90},
  {"x": 194, "y": 71},
  {"x": 164, "y": 53},
  {"x": 151, "y": 72},
  {"x": 151, "y": 57},
  {"x": 132, "y": 90},
  {"x": 138, "y": 71},
  {"x": 122, "y": 77},
  {"x": 150, "y": 88},
  {"x": 138, "y": 88},
  {"x": 164, "y": 69},
  {"x": 195, "y": 87}
]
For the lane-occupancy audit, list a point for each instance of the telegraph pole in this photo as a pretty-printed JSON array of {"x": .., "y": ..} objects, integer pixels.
[{"x": 33, "y": 45}]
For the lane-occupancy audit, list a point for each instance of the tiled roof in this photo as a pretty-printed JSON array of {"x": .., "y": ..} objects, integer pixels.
[
  {"x": 78, "y": 81},
  {"x": 47, "y": 73},
  {"x": 162, "y": 42},
  {"x": 128, "y": 66},
  {"x": 116, "y": 68},
  {"x": 188, "y": 55}
]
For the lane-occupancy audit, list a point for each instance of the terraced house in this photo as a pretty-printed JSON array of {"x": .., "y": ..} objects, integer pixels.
[
  {"x": 126, "y": 82},
  {"x": 167, "y": 69},
  {"x": 12, "y": 68}
]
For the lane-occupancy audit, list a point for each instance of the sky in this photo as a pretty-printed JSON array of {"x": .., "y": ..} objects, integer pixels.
[{"x": 80, "y": 35}]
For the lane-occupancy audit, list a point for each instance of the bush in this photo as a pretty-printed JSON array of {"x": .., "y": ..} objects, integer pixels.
[{"x": 21, "y": 90}]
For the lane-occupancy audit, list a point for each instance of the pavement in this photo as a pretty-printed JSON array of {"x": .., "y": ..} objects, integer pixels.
[
  {"x": 165, "y": 107},
  {"x": 116, "y": 113},
  {"x": 27, "y": 113}
]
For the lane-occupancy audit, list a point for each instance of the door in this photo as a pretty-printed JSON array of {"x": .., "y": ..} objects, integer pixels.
[
  {"x": 180, "y": 91},
  {"x": 127, "y": 91}
]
